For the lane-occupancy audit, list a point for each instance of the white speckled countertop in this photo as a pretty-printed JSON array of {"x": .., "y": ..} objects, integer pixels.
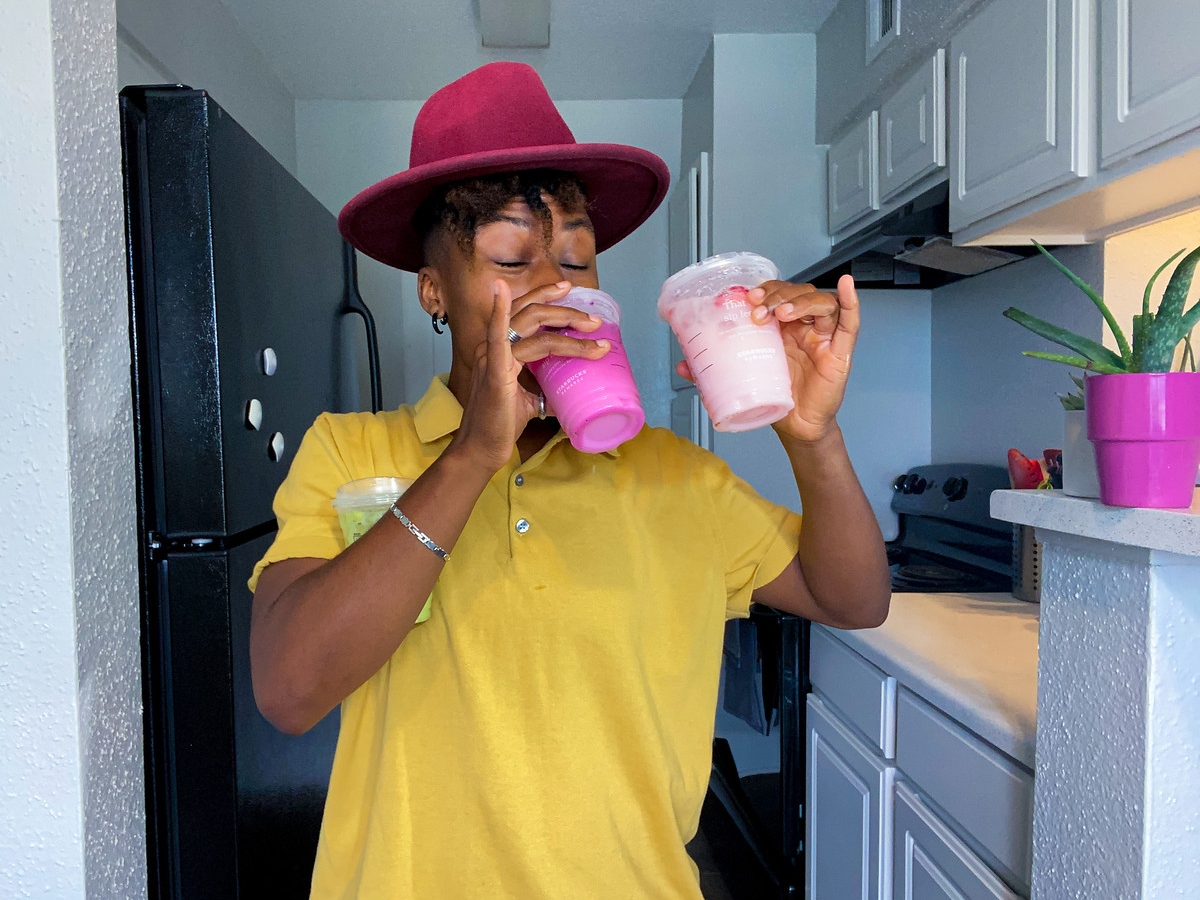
[
  {"x": 973, "y": 656},
  {"x": 1171, "y": 530}
]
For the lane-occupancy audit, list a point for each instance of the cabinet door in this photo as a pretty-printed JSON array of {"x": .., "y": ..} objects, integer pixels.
[
  {"x": 1149, "y": 74},
  {"x": 853, "y": 164},
  {"x": 848, "y": 846},
  {"x": 1020, "y": 91},
  {"x": 688, "y": 232},
  {"x": 912, "y": 129},
  {"x": 930, "y": 862}
]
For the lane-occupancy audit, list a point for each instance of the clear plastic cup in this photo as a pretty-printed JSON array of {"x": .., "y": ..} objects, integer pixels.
[
  {"x": 596, "y": 401},
  {"x": 361, "y": 503},
  {"x": 739, "y": 366}
]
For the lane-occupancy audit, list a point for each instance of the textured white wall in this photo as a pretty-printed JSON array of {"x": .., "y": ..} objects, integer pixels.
[
  {"x": 71, "y": 794},
  {"x": 199, "y": 43},
  {"x": 344, "y": 146},
  {"x": 1117, "y": 793}
]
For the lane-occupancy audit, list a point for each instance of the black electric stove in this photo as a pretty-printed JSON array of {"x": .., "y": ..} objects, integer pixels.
[{"x": 948, "y": 540}]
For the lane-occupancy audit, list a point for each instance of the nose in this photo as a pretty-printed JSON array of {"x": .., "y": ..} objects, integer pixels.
[{"x": 546, "y": 270}]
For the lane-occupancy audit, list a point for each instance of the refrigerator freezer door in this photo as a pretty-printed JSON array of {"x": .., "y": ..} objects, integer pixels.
[{"x": 237, "y": 283}]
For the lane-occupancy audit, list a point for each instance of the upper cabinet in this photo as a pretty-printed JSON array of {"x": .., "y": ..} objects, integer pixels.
[
  {"x": 892, "y": 154},
  {"x": 1149, "y": 74},
  {"x": 854, "y": 174},
  {"x": 912, "y": 129},
  {"x": 1020, "y": 123}
]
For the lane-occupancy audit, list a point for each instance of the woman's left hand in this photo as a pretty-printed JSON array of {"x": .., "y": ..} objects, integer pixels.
[{"x": 819, "y": 331}]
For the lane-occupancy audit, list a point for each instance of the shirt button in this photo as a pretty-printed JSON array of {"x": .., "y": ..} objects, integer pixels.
[
  {"x": 519, "y": 480},
  {"x": 522, "y": 526}
]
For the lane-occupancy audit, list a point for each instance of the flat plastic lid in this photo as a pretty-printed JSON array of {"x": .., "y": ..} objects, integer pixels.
[
  {"x": 718, "y": 273},
  {"x": 377, "y": 491},
  {"x": 590, "y": 300}
]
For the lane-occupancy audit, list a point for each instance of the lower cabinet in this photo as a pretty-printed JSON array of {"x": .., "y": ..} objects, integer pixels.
[
  {"x": 929, "y": 860},
  {"x": 848, "y": 846},
  {"x": 948, "y": 818}
]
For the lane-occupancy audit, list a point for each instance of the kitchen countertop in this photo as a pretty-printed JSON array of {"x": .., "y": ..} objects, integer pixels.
[
  {"x": 1170, "y": 530},
  {"x": 973, "y": 656}
]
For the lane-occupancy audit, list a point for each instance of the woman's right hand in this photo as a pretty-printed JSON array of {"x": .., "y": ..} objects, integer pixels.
[{"x": 498, "y": 405}]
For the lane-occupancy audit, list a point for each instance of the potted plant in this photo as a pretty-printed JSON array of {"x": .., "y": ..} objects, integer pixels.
[
  {"x": 1142, "y": 419},
  {"x": 1079, "y": 477}
]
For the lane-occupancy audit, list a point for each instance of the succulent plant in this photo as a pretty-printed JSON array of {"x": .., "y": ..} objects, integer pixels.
[
  {"x": 1074, "y": 400},
  {"x": 1156, "y": 335}
]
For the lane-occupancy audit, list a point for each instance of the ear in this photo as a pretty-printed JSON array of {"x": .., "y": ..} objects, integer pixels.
[{"x": 430, "y": 291}]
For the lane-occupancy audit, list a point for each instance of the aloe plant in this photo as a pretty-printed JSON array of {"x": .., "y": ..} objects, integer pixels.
[{"x": 1156, "y": 335}]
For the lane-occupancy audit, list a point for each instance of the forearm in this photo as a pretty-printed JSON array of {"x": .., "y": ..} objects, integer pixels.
[
  {"x": 320, "y": 637},
  {"x": 841, "y": 552}
]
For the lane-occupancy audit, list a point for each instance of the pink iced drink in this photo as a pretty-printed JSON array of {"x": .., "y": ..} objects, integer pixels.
[
  {"x": 596, "y": 401},
  {"x": 739, "y": 367}
]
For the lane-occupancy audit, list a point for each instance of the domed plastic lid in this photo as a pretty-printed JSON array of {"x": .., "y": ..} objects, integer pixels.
[
  {"x": 377, "y": 491},
  {"x": 590, "y": 300},
  {"x": 715, "y": 274}
]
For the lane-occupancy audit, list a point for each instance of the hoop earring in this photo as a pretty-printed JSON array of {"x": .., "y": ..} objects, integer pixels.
[{"x": 437, "y": 323}]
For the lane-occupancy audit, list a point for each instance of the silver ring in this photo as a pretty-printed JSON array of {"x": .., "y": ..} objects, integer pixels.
[
  {"x": 513, "y": 337},
  {"x": 541, "y": 406}
]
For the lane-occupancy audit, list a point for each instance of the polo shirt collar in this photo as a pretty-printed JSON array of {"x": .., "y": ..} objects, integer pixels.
[{"x": 439, "y": 413}]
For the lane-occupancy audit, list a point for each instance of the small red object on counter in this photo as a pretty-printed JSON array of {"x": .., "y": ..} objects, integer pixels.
[{"x": 1023, "y": 473}]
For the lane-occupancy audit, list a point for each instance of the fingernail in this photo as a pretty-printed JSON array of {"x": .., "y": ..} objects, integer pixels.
[
  {"x": 563, "y": 284},
  {"x": 593, "y": 317},
  {"x": 603, "y": 344}
]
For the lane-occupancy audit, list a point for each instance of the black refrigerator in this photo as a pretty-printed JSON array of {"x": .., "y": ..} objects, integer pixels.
[{"x": 239, "y": 287}]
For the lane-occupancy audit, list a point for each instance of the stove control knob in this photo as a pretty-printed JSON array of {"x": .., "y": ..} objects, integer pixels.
[
  {"x": 913, "y": 484},
  {"x": 919, "y": 487},
  {"x": 898, "y": 484},
  {"x": 955, "y": 488}
]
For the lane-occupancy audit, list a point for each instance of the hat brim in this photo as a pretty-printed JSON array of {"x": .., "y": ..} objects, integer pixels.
[{"x": 624, "y": 185}]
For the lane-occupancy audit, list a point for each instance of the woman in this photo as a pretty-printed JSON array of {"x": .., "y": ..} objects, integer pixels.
[{"x": 547, "y": 732}]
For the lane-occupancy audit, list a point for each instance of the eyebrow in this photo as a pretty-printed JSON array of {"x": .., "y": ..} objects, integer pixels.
[{"x": 582, "y": 222}]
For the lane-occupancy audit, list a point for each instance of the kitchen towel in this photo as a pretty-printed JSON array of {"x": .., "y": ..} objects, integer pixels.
[{"x": 744, "y": 675}]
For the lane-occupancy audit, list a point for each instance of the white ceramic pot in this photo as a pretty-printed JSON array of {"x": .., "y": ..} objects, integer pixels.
[{"x": 1078, "y": 457}]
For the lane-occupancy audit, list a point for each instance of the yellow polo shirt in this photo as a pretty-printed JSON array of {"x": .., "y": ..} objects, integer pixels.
[{"x": 547, "y": 733}]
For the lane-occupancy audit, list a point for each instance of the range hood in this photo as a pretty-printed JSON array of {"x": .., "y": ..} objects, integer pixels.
[{"x": 909, "y": 247}]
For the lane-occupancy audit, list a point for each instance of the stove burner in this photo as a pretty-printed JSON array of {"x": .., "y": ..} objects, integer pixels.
[{"x": 933, "y": 578}]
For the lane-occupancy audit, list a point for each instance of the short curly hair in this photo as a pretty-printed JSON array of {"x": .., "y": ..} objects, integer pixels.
[{"x": 460, "y": 209}]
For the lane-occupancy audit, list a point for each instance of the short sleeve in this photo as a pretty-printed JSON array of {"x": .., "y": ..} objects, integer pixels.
[
  {"x": 308, "y": 524},
  {"x": 760, "y": 538}
]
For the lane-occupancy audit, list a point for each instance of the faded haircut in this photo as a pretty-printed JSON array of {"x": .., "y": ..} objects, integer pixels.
[{"x": 460, "y": 209}]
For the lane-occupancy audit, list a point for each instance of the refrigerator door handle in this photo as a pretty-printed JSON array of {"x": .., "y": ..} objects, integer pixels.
[{"x": 354, "y": 304}]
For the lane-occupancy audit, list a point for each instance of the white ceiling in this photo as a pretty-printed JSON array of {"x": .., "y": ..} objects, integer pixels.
[{"x": 406, "y": 49}]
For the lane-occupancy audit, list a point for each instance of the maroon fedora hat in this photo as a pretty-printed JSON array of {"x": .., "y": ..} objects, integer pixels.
[{"x": 500, "y": 118}]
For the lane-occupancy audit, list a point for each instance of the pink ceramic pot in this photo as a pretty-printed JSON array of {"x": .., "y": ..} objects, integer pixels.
[{"x": 1146, "y": 431}]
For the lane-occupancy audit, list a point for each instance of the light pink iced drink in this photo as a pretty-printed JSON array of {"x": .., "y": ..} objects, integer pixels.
[
  {"x": 739, "y": 366},
  {"x": 596, "y": 401}
]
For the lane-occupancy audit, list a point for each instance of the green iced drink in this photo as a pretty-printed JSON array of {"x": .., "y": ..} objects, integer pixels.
[{"x": 361, "y": 503}]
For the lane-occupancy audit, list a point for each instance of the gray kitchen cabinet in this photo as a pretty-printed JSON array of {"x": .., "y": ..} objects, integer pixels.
[
  {"x": 689, "y": 225},
  {"x": 849, "y": 817},
  {"x": 912, "y": 129},
  {"x": 930, "y": 862},
  {"x": 1149, "y": 74},
  {"x": 853, "y": 172},
  {"x": 965, "y": 827},
  {"x": 1021, "y": 74}
]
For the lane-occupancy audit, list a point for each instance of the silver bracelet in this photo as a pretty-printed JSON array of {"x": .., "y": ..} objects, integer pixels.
[{"x": 419, "y": 534}]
